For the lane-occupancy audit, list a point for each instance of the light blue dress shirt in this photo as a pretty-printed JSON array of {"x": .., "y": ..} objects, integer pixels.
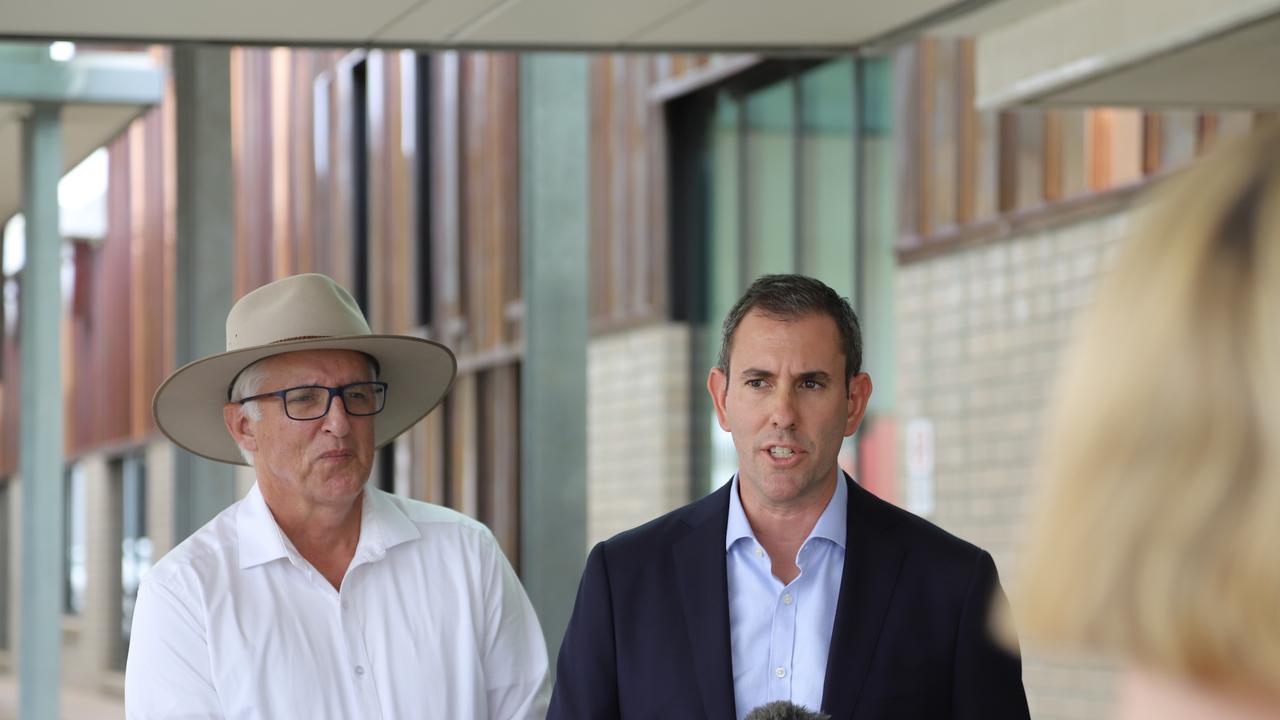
[{"x": 780, "y": 634}]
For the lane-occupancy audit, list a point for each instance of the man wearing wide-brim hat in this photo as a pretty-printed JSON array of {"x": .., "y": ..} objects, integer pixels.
[{"x": 316, "y": 596}]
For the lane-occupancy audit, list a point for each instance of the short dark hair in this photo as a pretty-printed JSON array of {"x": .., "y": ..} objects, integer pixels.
[{"x": 791, "y": 297}]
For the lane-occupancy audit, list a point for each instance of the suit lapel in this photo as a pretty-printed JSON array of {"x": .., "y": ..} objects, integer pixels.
[
  {"x": 871, "y": 567},
  {"x": 704, "y": 595}
]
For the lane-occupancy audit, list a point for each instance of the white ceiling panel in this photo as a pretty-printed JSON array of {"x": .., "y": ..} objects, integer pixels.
[
  {"x": 1234, "y": 70},
  {"x": 271, "y": 21},
  {"x": 1143, "y": 53},
  {"x": 436, "y": 22},
  {"x": 798, "y": 23},
  {"x": 534, "y": 24},
  {"x": 571, "y": 22},
  {"x": 993, "y": 15}
]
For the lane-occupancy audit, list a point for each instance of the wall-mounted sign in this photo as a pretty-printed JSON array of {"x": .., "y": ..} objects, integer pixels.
[{"x": 920, "y": 454}]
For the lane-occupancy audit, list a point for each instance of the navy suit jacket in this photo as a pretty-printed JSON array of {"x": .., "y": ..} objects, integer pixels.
[{"x": 649, "y": 635}]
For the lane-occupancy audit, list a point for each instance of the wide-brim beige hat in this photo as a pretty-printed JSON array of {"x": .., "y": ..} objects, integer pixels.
[{"x": 302, "y": 312}]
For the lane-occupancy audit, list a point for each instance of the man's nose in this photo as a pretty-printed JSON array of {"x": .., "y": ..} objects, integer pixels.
[
  {"x": 782, "y": 412},
  {"x": 337, "y": 421}
]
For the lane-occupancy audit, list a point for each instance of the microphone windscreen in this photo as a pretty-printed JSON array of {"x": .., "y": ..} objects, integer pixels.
[{"x": 785, "y": 710}]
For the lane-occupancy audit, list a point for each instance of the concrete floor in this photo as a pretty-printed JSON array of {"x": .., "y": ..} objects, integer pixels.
[{"x": 77, "y": 703}]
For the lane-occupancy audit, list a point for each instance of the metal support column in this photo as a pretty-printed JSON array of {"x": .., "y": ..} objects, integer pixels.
[
  {"x": 554, "y": 115},
  {"x": 205, "y": 283},
  {"x": 40, "y": 462}
]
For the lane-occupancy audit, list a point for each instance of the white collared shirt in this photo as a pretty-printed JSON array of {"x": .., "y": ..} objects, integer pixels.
[
  {"x": 780, "y": 635},
  {"x": 430, "y": 622}
]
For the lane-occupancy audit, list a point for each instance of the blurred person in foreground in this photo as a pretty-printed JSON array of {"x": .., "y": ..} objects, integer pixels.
[
  {"x": 1157, "y": 536},
  {"x": 791, "y": 582},
  {"x": 317, "y": 596}
]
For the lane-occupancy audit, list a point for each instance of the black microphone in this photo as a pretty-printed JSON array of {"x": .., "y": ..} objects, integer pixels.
[{"x": 785, "y": 710}]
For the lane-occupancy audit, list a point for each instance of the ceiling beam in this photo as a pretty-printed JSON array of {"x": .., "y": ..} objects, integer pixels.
[{"x": 93, "y": 79}]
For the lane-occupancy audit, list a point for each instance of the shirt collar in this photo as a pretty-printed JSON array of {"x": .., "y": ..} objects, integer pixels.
[
  {"x": 832, "y": 523},
  {"x": 383, "y": 524}
]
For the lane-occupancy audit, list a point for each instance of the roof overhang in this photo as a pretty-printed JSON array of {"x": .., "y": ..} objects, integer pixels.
[
  {"x": 100, "y": 94},
  {"x": 757, "y": 25},
  {"x": 1136, "y": 53}
]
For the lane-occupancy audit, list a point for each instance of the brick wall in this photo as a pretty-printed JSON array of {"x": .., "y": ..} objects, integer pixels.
[
  {"x": 637, "y": 427},
  {"x": 981, "y": 334}
]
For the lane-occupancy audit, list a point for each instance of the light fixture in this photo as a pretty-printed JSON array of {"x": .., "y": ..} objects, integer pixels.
[{"x": 62, "y": 51}]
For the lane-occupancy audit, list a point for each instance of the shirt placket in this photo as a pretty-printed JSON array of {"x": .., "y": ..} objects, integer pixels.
[
  {"x": 782, "y": 640},
  {"x": 351, "y": 619}
]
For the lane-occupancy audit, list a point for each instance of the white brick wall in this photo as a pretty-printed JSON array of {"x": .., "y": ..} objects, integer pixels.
[
  {"x": 981, "y": 332},
  {"x": 637, "y": 427}
]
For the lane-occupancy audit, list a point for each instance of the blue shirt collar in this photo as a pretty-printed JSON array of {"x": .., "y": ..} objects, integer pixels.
[{"x": 832, "y": 523}]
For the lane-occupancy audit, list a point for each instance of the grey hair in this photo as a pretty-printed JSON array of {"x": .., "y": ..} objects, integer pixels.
[
  {"x": 249, "y": 383},
  {"x": 246, "y": 384},
  {"x": 791, "y": 297}
]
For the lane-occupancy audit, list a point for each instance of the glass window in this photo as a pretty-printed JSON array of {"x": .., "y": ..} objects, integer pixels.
[
  {"x": 770, "y": 179},
  {"x": 5, "y": 574},
  {"x": 726, "y": 256},
  {"x": 74, "y": 573},
  {"x": 800, "y": 179},
  {"x": 360, "y": 186},
  {"x": 421, "y": 135},
  {"x": 827, "y": 193},
  {"x": 135, "y": 544},
  {"x": 723, "y": 225}
]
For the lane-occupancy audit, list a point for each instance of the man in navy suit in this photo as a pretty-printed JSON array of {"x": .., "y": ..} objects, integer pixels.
[{"x": 791, "y": 582}]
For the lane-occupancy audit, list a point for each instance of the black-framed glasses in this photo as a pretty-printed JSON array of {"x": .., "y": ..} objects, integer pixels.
[{"x": 312, "y": 402}]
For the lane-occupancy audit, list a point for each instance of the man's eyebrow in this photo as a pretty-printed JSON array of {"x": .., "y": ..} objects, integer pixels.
[
  {"x": 819, "y": 375},
  {"x": 757, "y": 373}
]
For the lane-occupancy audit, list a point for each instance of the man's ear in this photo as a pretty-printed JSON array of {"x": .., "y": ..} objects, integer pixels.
[
  {"x": 718, "y": 387},
  {"x": 240, "y": 427},
  {"x": 859, "y": 394}
]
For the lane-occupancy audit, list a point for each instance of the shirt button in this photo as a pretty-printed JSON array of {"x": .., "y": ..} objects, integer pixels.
[
  {"x": 786, "y": 599},
  {"x": 759, "y": 552},
  {"x": 780, "y": 672},
  {"x": 360, "y": 670},
  {"x": 346, "y": 605}
]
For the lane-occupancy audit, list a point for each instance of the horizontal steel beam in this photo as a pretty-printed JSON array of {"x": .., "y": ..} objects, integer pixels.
[{"x": 95, "y": 79}]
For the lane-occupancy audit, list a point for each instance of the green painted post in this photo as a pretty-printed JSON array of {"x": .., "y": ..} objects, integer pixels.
[
  {"x": 40, "y": 461},
  {"x": 554, "y": 115},
  {"x": 204, "y": 287}
]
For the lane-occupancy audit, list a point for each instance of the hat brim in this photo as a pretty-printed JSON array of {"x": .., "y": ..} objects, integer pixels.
[{"x": 188, "y": 405}]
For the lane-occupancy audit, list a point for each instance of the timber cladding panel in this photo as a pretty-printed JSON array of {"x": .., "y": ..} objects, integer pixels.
[
  {"x": 116, "y": 334},
  {"x": 628, "y": 211},
  {"x": 962, "y": 171},
  {"x": 117, "y": 322},
  {"x": 394, "y": 172},
  {"x": 406, "y": 168}
]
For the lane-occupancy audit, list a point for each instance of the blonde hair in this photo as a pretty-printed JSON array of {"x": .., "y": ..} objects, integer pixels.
[{"x": 1157, "y": 534}]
